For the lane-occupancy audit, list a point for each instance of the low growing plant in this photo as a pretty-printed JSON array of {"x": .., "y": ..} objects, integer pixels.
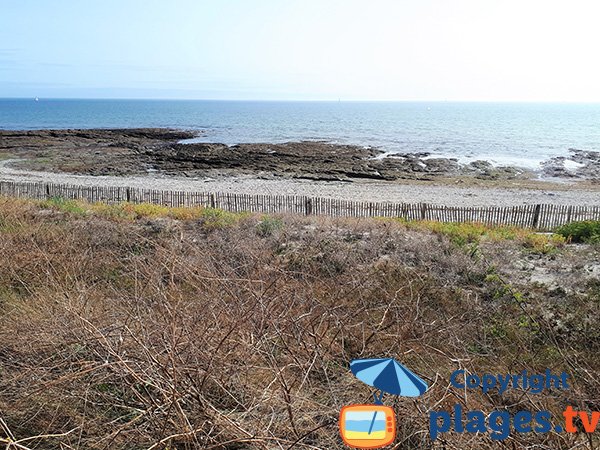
[
  {"x": 268, "y": 226},
  {"x": 587, "y": 231}
]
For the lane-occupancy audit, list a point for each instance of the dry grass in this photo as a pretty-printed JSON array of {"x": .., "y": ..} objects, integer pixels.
[{"x": 136, "y": 327}]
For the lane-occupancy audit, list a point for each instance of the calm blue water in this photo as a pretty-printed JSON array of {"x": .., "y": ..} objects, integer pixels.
[
  {"x": 363, "y": 421},
  {"x": 514, "y": 133}
]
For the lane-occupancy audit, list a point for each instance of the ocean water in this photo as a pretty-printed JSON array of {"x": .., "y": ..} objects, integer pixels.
[
  {"x": 364, "y": 421},
  {"x": 522, "y": 134}
]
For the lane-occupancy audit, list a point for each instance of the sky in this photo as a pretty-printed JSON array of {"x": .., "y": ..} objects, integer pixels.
[{"x": 447, "y": 50}]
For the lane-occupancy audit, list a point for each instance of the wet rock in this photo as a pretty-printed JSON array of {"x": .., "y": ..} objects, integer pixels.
[
  {"x": 481, "y": 165},
  {"x": 579, "y": 164},
  {"x": 489, "y": 172},
  {"x": 92, "y": 152},
  {"x": 319, "y": 161}
]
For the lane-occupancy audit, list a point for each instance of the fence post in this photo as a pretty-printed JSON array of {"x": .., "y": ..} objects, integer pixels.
[
  {"x": 423, "y": 211},
  {"x": 212, "y": 201},
  {"x": 128, "y": 195},
  {"x": 308, "y": 207},
  {"x": 536, "y": 216},
  {"x": 47, "y": 191}
]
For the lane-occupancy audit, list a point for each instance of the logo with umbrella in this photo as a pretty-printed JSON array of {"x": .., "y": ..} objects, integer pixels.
[{"x": 374, "y": 425}]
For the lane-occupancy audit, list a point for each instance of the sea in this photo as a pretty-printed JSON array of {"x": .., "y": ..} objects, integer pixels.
[{"x": 520, "y": 134}]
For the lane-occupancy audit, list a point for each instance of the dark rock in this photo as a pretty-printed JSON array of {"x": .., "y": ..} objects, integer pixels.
[
  {"x": 481, "y": 165},
  {"x": 587, "y": 165},
  {"x": 134, "y": 151}
]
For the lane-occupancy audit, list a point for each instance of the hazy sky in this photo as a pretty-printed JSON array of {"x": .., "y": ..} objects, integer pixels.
[{"x": 532, "y": 50}]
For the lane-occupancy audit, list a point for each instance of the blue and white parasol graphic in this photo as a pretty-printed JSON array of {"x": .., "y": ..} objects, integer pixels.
[{"x": 388, "y": 376}]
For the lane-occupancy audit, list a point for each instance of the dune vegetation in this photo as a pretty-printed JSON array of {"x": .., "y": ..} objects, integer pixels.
[{"x": 144, "y": 327}]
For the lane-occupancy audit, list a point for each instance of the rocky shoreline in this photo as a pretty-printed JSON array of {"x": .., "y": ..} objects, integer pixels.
[
  {"x": 126, "y": 152},
  {"x": 580, "y": 164}
]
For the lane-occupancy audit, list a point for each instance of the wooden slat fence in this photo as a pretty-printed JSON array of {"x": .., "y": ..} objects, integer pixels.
[{"x": 542, "y": 217}]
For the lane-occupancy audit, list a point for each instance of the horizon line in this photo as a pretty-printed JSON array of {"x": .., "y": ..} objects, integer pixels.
[{"x": 33, "y": 98}]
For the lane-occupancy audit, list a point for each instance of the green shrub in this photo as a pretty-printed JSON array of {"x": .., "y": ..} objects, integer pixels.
[
  {"x": 213, "y": 218},
  {"x": 268, "y": 225},
  {"x": 587, "y": 231},
  {"x": 64, "y": 205},
  {"x": 468, "y": 235},
  {"x": 543, "y": 243}
]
